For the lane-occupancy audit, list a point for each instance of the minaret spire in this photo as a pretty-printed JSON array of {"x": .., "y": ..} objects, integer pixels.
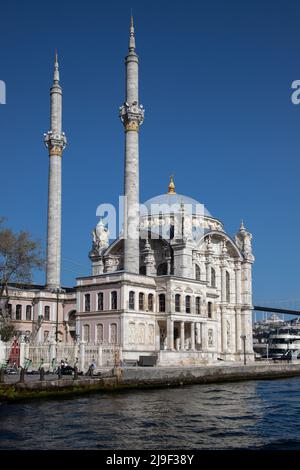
[
  {"x": 132, "y": 116},
  {"x": 56, "y": 68},
  {"x": 55, "y": 140},
  {"x": 131, "y": 37}
]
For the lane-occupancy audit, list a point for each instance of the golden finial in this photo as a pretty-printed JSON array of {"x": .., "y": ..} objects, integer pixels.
[{"x": 171, "y": 189}]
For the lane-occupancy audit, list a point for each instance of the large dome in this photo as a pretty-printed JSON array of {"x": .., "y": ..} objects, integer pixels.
[{"x": 163, "y": 204}]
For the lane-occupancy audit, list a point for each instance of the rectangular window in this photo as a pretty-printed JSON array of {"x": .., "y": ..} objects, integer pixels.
[
  {"x": 87, "y": 302},
  {"x": 100, "y": 301},
  {"x": 131, "y": 300},
  {"x": 47, "y": 313},
  {"x": 198, "y": 308},
  {"x": 188, "y": 304},
  {"x": 141, "y": 301},
  {"x": 150, "y": 302},
  {"x": 28, "y": 312},
  {"x": 209, "y": 309},
  {"x": 177, "y": 303},
  {"x": 162, "y": 303},
  {"x": 114, "y": 300},
  {"x": 18, "y": 312}
]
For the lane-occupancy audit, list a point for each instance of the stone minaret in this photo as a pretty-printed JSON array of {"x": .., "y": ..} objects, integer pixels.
[
  {"x": 132, "y": 115},
  {"x": 55, "y": 141}
]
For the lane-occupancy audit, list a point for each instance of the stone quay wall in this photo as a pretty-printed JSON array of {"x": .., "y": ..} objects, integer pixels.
[{"x": 146, "y": 377}]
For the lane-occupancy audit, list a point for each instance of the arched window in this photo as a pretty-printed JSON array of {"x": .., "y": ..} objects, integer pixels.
[
  {"x": 47, "y": 313},
  {"x": 162, "y": 269},
  {"x": 113, "y": 333},
  {"x": 100, "y": 333},
  {"x": 209, "y": 309},
  {"x": 100, "y": 301},
  {"x": 141, "y": 301},
  {"x": 213, "y": 277},
  {"x": 86, "y": 333},
  {"x": 150, "y": 302},
  {"x": 18, "y": 312},
  {"x": 72, "y": 319},
  {"x": 87, "y": 302},
  {"x": 227, "y": 287},
  {"x": 46, "y": 336},
  {"x": 162, "y": 302},
  {"x": 131, "y": 300},
  {"x": 188, "y": 304},
  {"x": 177, "y": 303},
  {"x": 28, "y": 312},
  {"x": 198, "y": 305},
  {"x": 197, "y": 272},
  {"x": 114, "y": 300}
]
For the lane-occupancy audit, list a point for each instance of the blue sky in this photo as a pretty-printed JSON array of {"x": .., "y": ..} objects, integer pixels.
[{"x": 215, "y": 80}]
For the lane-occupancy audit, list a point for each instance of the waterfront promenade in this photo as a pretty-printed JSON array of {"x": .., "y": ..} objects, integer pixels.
[{"x": 141, "y": 377}]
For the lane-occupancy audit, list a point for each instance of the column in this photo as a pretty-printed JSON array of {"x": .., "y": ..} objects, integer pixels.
[
  {"x": 238, "y": 329},
  {"x": 198, "y": 333},
  {"x": 223, "y": 283},
  {"x": 170, "y": 333},
  {"x": 182, "y": 335},
  {"x": 223, "y": 330},
  {"x": 193, "y": 336},
  {"x": 208, "y": 272},
  {"x": 238, "y": 284}
]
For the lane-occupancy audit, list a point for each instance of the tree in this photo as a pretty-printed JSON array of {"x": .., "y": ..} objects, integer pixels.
[
  {"x": 7, "y": 332},
  {"x": 19, "y": 255}
]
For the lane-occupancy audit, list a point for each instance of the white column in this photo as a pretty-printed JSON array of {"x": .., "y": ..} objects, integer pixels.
[
  {"x": 182, "y": 335},
  {"x": 238, "y": 284},
  {"x": 198, "y": 334},
  {"x": 208, "y": 273},
  {"x": 170, "y": 333},
  {"x": 223, "y": 329},
  {"x": 223, "y": 284},
  {"x": 238, "y": 329}
]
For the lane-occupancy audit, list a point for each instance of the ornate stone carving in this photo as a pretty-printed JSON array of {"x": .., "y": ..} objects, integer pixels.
[
  {"x": 243, "y": 240},
  {"x": 100, "y": 238},
  {"x": 141, "y": 334},
  {"x": 132, "y": 116},
  {"x": 55, "y": 143},
  {"x": 228, "y": 327},
  {"x": 131, "y": 336},
  {"x": 150, "y": 337}
]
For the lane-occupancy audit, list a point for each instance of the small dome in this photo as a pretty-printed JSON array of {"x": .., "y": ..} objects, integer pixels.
[{"x": 171, "y": 202}]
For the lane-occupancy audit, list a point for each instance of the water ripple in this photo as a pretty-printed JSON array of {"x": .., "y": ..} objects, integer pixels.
[{"x": 249, "y": 415}]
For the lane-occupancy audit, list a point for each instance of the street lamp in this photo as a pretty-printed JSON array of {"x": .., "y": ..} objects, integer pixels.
[{"x": 243, "y": 337}]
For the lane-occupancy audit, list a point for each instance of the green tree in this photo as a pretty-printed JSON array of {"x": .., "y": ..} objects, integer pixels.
[
  {"x": 19, "y": 256},
  {"x": 7, "y": 332}
]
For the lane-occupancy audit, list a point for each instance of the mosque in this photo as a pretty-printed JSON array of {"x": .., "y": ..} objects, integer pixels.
[{"x": 173, "y": 285}]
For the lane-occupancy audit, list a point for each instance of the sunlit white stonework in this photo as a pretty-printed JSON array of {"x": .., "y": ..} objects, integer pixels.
[{"x": 181, "y": 290}]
